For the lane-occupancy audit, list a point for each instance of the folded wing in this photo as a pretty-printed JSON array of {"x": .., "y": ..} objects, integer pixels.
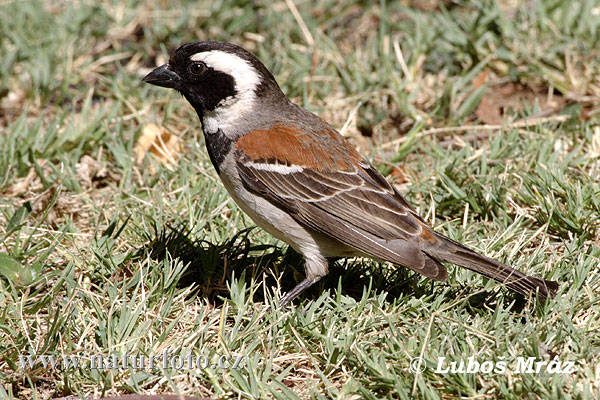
[{"x": 343, "y": 197}]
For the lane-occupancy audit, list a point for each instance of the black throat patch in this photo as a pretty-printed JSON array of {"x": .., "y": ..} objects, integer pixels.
[{"x": 218, "y": 146}]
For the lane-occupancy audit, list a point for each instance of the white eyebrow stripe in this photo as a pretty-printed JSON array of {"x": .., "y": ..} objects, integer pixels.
[{"x": 245, "y": 75}]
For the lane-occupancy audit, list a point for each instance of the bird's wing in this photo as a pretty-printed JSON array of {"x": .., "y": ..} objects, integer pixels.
[{"x": 325, "y": 185}]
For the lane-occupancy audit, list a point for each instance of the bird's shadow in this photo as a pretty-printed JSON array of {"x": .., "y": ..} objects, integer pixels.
[{"x": 212, "y": 266}]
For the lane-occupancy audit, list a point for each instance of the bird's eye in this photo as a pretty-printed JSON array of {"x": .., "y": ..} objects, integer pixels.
[{"x": 197, "y": 68}]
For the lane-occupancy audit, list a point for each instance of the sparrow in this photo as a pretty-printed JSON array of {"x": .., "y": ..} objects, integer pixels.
[{"x": 303, "y": 182}]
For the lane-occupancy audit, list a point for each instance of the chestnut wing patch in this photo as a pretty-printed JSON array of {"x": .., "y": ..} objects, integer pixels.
[
  {"x": 354, "y": 204},
  {"x": 325, "y": 150}
]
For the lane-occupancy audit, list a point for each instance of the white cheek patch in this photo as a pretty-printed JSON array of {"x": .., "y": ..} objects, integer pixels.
[{"x": 230, "y": 111}]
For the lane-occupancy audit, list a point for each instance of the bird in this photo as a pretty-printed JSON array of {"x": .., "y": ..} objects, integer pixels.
[{"x": 301, "y": 181}]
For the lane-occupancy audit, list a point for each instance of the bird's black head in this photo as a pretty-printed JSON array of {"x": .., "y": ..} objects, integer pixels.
[{"x": 211, "y": 74}]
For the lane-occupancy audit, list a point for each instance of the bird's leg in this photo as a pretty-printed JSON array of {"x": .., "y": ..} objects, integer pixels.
[
  {"x": 299, "y": 288},
  {"x": 316, "y": 267}
]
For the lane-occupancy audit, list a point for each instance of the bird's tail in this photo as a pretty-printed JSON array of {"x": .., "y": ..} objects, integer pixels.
[{"x": 448, "y": 250}]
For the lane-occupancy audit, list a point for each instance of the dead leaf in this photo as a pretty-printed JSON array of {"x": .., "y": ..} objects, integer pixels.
[
  {"x": 595, "y": 147},
  {"x": 21, "y": 185},
  {"x": 480, "y": 79},
  {"x": 154, "y": 139},
  {"x": 503, "y": 98}
]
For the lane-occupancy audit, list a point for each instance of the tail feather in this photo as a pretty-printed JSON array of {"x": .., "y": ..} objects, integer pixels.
[{"x": 451, "y": 251}]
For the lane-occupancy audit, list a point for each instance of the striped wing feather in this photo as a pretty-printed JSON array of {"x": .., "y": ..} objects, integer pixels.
[{"x": 350, "y": 207}]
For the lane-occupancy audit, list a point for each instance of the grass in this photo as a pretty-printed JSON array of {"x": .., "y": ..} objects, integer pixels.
[{"x": 104, "y": 255}]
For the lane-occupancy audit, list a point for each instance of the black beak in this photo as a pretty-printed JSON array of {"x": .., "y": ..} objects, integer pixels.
[{"x": 163, "y": 76}]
